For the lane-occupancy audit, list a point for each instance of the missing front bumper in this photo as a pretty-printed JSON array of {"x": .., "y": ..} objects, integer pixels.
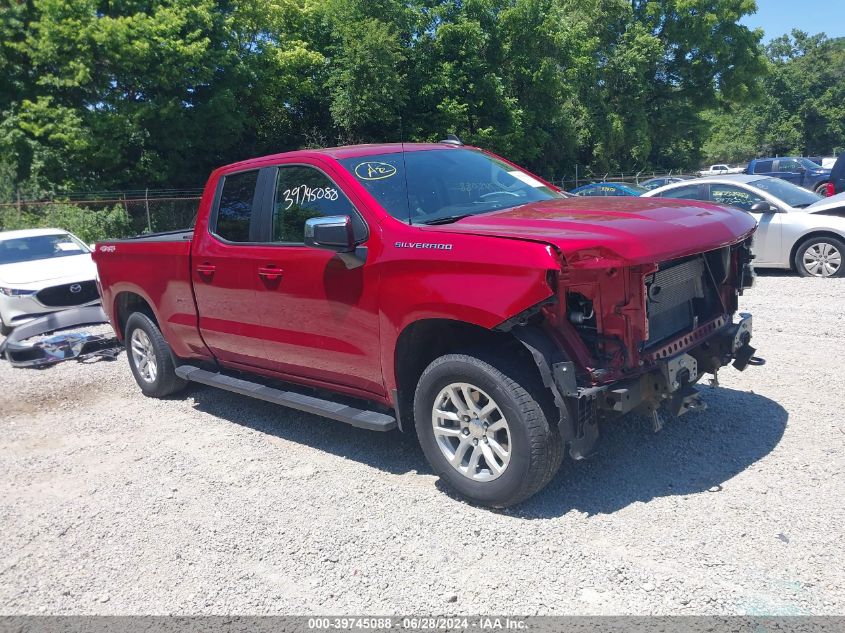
[{"x": 63, "y": 346}]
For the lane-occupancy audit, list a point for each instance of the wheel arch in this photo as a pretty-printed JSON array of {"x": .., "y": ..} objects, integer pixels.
[
  {"x": 127, "y": 302},
  {"x": 424, "y": 340}
]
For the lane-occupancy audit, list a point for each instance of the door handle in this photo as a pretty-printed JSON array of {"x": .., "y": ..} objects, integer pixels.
[
  {"x": 206, "y": 269},
  {"x": 270, "y": 273}
]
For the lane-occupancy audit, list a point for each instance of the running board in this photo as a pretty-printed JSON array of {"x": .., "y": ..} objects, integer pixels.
[{"x": 370, "y": 420}]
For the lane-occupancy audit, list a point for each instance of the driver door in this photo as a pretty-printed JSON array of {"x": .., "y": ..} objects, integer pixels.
[
  {"x": 319, "y": 317},
  {"x": 767, "y": 239}
]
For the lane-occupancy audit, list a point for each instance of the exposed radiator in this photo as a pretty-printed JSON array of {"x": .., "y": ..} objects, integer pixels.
[{"x": 678, "y": 298}]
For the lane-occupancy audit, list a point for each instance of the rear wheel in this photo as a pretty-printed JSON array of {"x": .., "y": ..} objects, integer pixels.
[
  {"x": 150, "y": 358},
  {"x": 820, "y": 257},
  {"x": 484, "y": 430}
]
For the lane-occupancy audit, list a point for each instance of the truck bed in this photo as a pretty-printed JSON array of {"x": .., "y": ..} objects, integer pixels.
[{"x": 157, "y": 268}]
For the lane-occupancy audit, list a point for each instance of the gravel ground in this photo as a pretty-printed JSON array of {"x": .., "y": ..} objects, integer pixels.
[{"x": 112, "y": 503}]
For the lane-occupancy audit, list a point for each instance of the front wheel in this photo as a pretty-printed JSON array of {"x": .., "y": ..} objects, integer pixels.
[
  {"x": 820, "y": 257},
  {"x": 150, "y": 358},
  {"x": 484, "y": 430},
  {"x": 821, "y": 189}
]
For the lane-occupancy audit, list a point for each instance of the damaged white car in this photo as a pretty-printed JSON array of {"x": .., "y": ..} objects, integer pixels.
[{"x": 43, "y": 271}]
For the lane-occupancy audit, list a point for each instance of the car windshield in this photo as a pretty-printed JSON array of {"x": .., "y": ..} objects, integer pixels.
[
  {"x": 438, "y": 186},
  {"x": 28, "y": 249},
  {"x": 808, "y": 164},
  {"x": 792, "y": 195}
]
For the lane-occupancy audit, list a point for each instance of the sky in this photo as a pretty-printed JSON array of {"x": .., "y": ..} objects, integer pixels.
[{"x": 777, "y": 17}]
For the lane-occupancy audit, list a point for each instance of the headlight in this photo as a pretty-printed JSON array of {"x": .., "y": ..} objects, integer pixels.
[{"x": 16, "y": 292}]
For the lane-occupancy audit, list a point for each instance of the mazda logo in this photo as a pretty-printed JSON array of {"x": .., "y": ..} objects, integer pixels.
[{"x": 75, "y": 289}]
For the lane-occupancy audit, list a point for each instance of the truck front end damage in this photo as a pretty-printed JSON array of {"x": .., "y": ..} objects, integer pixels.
[{"x": 638, "y": 338}]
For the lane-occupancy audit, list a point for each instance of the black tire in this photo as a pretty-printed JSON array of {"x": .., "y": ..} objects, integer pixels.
[
  {"x": 535, "y": 451},
  {"x": 165, "y": 381},
  {"x": 5, "y": 330},
  {"x": 821, "y": 189},
  {"x": 837, "y": 244}
]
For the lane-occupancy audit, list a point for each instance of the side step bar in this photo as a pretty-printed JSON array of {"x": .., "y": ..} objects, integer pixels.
[{"x": 370, "y": 420}]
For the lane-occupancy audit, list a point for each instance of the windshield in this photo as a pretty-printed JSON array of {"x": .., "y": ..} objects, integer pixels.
[
  {"x": 28, "y": 249},
  {"x": 430, "y": 186},
  {"x": 792, "y": 195},
  {"x": 808, "y": 164}
]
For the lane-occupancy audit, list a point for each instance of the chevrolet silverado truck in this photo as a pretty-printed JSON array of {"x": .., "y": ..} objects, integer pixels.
[{"x": 442, "y": 290}]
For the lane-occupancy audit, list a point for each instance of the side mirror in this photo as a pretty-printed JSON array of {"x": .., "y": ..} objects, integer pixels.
[
  {"x": 764, "y": 207},
  {"x": 332, "y": 232}
]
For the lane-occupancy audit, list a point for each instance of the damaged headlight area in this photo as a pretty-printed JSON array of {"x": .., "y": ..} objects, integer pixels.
[{"x": 22, "y": 351}]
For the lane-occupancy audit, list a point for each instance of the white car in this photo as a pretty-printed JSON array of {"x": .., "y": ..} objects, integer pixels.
[
  {"x": 43, "y": 271},
  {"x": 796, "y": 228},
  {"x": 721, "y": 169}
]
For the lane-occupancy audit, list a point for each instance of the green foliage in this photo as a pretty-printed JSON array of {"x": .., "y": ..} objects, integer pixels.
[
  {"x": 145, "y": 93},
  {"x": 801, "y": 110},
  {"x": 89, "y": 224}
]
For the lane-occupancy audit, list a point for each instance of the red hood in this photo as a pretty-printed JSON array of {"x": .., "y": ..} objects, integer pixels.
[{"x": 630, "y": 230}]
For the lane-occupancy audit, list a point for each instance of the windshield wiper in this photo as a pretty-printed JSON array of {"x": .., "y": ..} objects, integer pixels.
[{"x": 449, "y": 219}]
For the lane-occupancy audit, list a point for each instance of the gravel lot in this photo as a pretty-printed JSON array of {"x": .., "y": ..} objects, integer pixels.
[{"x": 112, "y": 503}]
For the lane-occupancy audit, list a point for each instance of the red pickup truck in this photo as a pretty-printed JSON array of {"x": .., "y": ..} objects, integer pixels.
[{"x": 442, "y": 290}]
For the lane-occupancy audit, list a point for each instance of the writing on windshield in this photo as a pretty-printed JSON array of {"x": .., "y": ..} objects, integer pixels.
[{"x": 426, "y": 186}]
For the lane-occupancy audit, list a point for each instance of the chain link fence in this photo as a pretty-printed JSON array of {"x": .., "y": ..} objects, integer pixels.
[
  {"x": 104, "y": 215},
  {"x": 583, "y": 175}
]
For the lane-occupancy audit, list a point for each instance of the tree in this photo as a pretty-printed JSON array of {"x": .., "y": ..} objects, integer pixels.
[{"x": 802, "y": 108}]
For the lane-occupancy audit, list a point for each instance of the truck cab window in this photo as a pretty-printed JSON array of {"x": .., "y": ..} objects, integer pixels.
[
  {"x": 305, "y": 192},
  {"x": 235, "y": 208}
]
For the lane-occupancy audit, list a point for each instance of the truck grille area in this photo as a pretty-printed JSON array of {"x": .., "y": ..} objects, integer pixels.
[
  {"x": 680, "y": 296},
  {"x": 66, "y": 295}
]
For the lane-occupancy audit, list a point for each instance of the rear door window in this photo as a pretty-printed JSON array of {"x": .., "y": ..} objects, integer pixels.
[
  {"x": 235, "y": 208},
  {"x": 762, "y": 166}
]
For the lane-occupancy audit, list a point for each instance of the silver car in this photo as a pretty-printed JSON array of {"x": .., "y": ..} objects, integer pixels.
[{"x": 796, "y": 228}]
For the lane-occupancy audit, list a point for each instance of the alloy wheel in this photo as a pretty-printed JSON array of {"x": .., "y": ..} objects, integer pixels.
[
  {"x": 143, "y": 355},
  {"x": 471, "y": 432}
]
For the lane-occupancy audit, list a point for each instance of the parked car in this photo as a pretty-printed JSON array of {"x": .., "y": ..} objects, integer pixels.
[
  {"x": 659, "y": 181},
  {"x": 837, "y": 176},
  {"x": 797, "y": 228},
  {"x": 447, "y": 290},
  {"x": 609, "y": 189},
  {"x": 43, "y": 271},
  {"x": 799, "y": 171},
  {"x": 721, "y": 168}
]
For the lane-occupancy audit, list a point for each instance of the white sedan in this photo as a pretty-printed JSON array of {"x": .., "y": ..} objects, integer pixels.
[
  {"x": 43, "y": 271},
  {"x": 796, "y": 228}
]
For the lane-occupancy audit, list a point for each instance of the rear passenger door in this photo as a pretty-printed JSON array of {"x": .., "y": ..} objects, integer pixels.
[{"x": 223, "y": 263}]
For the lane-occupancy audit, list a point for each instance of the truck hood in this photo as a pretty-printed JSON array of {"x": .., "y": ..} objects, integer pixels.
[
  {"x": 591, "y": 231},
  {"x": 69, "y": 268}
]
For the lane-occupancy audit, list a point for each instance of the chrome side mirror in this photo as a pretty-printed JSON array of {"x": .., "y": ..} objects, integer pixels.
[{"x": 331, "y": 232}]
